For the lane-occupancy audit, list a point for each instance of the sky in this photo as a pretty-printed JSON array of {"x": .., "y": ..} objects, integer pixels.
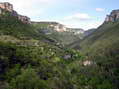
[{"x": 85, "y": 14}]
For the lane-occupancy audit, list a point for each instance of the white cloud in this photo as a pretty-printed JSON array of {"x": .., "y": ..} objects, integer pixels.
[
  {"x": 100, "y": 9},
  {"x": 84, "y": 25},
  {"x": 78, "y": 16},
  {"x": 81, "y": 20},
  {"x": 94, "y": 24}
]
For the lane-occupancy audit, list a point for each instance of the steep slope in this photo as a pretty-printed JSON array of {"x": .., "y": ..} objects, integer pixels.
[
  {"x": 88, "y": 32},
  {"x": 105, "y": 36},
  {"x": 76, "y": 44},
  {"x": 11, "y": 27},
  {"x": 58, "y": 32},
  {"x": 31, "y": 60},
  {"x": 102, "y": 47}
]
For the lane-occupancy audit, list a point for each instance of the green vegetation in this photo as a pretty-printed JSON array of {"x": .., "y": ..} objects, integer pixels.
[
  {"x": 63, "y": 38},
  {"x": 12, "y": 27},
  {"x": 31, "y": 60},
  {"x": 36, "y": 67},
  {"x": 102, "y": 47},
  {"x": 105, "y": 36}
]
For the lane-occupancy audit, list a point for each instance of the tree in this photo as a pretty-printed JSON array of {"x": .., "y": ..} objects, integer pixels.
[{"x": 28, "y": 80}]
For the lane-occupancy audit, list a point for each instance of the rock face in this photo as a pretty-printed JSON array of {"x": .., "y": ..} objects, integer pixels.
[
  {"x": 24, "y": 19},
  {"x": 59, "y": 27},
  {"x": 53, "y": 25},
  {"x": 114, "y": 16},
  {"x": 5, "y": 6}
]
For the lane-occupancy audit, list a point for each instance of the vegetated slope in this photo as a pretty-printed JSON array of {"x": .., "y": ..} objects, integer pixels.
[
  {"x": 63, "y": 38},
  {"x": 45, "y": 66},
  {"x": 11, "y": 26},
  {"x": 105, "y": 36},
  {"x": 88, "y": 32},
  {"x": 101, "y": 49},
  {"x": 29, "y": 61},
  {"x": 76, "y": 43}
]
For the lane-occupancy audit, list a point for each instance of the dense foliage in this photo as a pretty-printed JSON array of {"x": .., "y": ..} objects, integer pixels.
[
  {"x": 102, "y": 46},
  {"x": 30, "y": 60},
  {"x": 36, "y": 67}
]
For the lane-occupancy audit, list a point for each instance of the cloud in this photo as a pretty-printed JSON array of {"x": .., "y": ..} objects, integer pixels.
[
  {"x": 78, "y": 16},
  {"x": 93, "y": 24},
  {"x": 81, "y": 20},
  {"x": 83, "y": 25},
  {"x": 100, "y": 9}
]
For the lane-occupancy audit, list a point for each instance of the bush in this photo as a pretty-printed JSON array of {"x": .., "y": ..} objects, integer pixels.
[{"x": 28, "y": 80}]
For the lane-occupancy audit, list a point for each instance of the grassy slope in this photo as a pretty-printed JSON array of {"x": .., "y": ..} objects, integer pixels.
[{"x": 105, "y": 36}]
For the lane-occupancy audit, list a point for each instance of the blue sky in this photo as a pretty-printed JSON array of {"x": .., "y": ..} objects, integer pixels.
[{"x": 84, "y": 14}]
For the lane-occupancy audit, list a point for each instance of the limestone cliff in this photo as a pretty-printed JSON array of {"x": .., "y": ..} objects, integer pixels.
[
  {"x": 6, "y": 6},
  {"x": 114, "y": 16}
]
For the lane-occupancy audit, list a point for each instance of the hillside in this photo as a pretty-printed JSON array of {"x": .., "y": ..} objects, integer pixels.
[
  {"x": 31, "y": 60},
  {"x": 105, "y": 36},
  {"x": 11, "y": 27},
  {"x": 88, "y": 32},
  {"x": 58, "y": 32},
  {"x": 32, "y": 56},
  {"x": 47, "y": 65},
  {"x": 101, "y": 47}
]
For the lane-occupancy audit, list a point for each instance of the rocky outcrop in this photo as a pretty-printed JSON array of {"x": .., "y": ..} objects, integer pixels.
[
  {"x": 52, "y": 25},
  {"x": 24, "y": 19},
  {"x": 59, "y": 27},
  {"x": 5, "y": 6},
  {"x": 114, "y": 16}
]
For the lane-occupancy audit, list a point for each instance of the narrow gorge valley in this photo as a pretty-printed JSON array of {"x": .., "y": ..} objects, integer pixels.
[{"x": 50, "y": 55}]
